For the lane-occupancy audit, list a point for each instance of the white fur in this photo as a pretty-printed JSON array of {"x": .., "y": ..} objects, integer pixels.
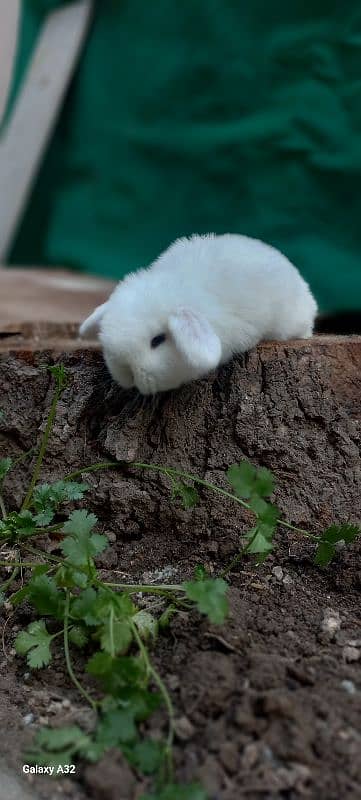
[{"x": 213, "y": 297}]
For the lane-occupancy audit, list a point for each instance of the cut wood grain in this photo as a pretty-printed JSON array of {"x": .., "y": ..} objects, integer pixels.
[{"x": 292, "y": 406}]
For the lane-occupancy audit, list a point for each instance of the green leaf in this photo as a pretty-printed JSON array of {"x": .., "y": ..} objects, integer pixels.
[
  {"x": 142, "y": 702},
  {"x": 338, "y": 533},
  {"x": 200, "y": 573},
  {"x": 266, "y": 513},
  {"x": 326, "y": 549},
  {"x": 60, "y": 374},
  {"x": 116, "y": 636},
  {"x": 58, "y": 738},
  {"x": 210, "y": 596},
  {"x": 35, "y": 642},
  {"x": 178, "y": 791},
  {"x": 58, "y": 746},
  {"x": 188, "y": 494},
  {"x": 81, "y": 545},
  {"x": 18, "y": 525},
  {"x": 47, "y": 758},
  {"x": 92, "y": 751},
  {"x": 25, "y": 523},
  {"x": 324, "y": 554},
  {"x": 116, "y": 727},
  {"x": 100, "y": 664},
  {"x": 46, "y": 597},
  {"x": 165, "y": 618},
  {"x": 116, "y": 673},
  {"x": 259, "y": 543},
  {"x": 44, "y": 518},
  {"x": 114, "y": 611},
  {"x": 146, "y": 756},
  {"x": 84, "y": 607},
  {"x": 48, "y": 497},
  {"x": 120, "y": 603},
  {"x": 80, "y": 523},
  {"x": 246, "y": 480},
  {"x": 147, "y": 625},
  {"x": 68, "y": 577},
  {"x": 261, "y": 536},
  {"x": 78, "y": 636},
  {"x": 5, "y": 467}
]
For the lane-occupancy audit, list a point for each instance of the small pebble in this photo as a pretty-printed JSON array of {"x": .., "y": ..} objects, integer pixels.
[
  {"x": 54, "y": 707},
  {"x": 173, "y": 682},
  {"x": 250, "y": 755},
  {"x": 228, "y": 755},
  {"x": 28, "y": 719},
  {"x": 331, "y": 622},
  {"x": 277, "y": 572},
  {"x": 287, "y": 580},
  {"x": 351, "y": 654},
  {"x": 184, "y": 728},
  {"x": 348, "y": 686}
]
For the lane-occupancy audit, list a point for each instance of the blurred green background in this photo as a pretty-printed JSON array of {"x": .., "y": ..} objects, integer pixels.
[{"x": 206, "y": 115}]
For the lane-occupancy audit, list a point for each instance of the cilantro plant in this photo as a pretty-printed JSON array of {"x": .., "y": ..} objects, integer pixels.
[{"x": 107, "y": 622}]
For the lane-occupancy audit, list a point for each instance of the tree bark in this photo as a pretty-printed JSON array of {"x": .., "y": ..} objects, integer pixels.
[{"x": 293, "y": 407}]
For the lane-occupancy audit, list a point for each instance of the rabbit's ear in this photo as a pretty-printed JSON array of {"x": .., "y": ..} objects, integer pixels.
[
  {"x": 90, "y": 326},
  {"x": 195, "y": 338}
]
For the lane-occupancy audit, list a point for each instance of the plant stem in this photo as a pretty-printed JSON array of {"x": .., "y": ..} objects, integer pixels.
[
  {"x": 44, "y": 443},
  {"x": 166, "y": 698},
  {"x": 2, "y": 507},
  {"x": 298, "y": 530},
  {"x": 135, "y": 588},
  {"x": 111, "y": 631},
  {"x": 18, "y": 564},
  {"x": 21, "y": 458},
  {"x": 4, "y": 586},
  {"x": 67, "y": 656},
  {"x": 48, "y": 556},
  {"x": 172, "y": 472}
]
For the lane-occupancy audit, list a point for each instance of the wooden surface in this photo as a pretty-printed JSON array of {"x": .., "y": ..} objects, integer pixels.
[
  {"x": 36, "y": 295},
  {"x": 293, "y": 407},
  {"x": 9, "y": 19},
  {"x": 29, "y": 129}
]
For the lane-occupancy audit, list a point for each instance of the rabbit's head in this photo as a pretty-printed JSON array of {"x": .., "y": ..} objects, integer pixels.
[{"x": 147, "y": 342}]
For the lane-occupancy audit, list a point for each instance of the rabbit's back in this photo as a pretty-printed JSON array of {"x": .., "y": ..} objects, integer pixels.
[{"x": 235, "y": 278}]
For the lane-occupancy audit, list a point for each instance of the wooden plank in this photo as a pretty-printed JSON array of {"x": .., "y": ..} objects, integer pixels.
[
  {"x": 9, "y": 24},
  {"x": 28, "y": 132},
  {"x": 40, "y": 295}
]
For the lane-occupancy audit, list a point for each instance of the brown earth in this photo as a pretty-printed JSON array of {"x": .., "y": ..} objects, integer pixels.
[{"x": 268, "y": 705}]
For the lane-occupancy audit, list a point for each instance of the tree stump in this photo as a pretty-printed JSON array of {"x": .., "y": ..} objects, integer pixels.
[{"x": 293, "y": 407}]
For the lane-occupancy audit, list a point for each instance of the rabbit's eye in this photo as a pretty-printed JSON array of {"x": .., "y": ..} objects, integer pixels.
[{"x": 157, "y": 340}]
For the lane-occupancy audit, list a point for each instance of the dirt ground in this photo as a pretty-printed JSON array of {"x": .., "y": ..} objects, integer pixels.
[{"x": 268, "y": 705}]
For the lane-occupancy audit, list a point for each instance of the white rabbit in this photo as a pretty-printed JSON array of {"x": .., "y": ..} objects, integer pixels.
[{"x": 203, "y": 300}]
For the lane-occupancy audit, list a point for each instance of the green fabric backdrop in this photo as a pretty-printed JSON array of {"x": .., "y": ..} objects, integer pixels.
[{"x": 206, "y": 115}]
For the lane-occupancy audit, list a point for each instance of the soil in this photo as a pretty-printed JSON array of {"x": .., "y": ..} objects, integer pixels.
[{"x": 268, "y": 705}]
